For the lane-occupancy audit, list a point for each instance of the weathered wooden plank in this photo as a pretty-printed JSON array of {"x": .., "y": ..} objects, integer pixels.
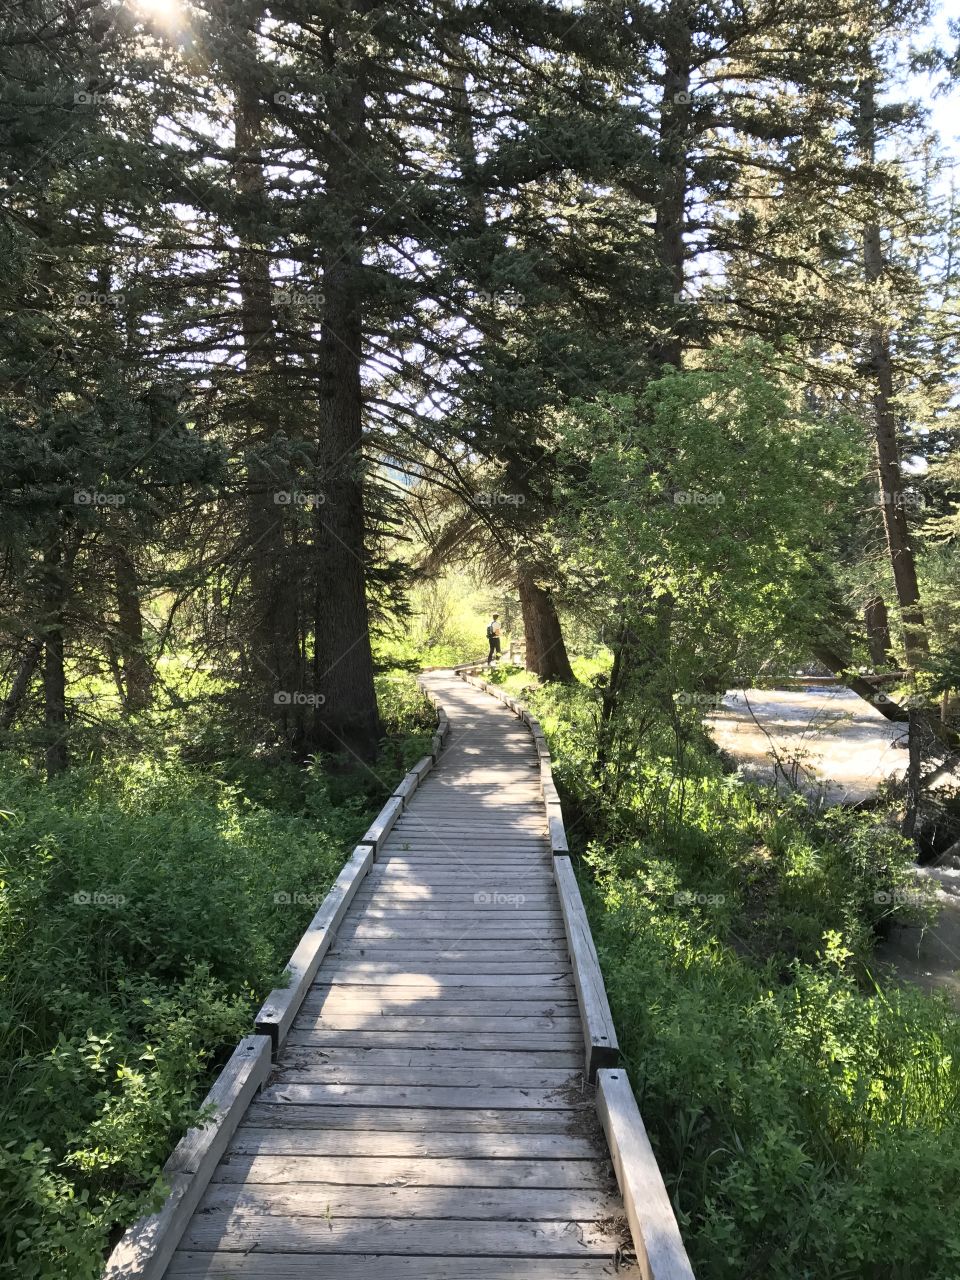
[
  {"x": 358, "y": 964},
  {"x": 653, "y": 1225},
  {"x": 380, "y": 1143},
  {"x": 439, "y": 923},
  {"x": 439, "y": 852},
  {"x": 366, "y": 964},
  {"x": 451, "y": 813},
  {"x": 385, "y": 1171},
  {"x": 266, "y": 1115},
  {"x": 466, "y": 1056},
  {"x": 367, "y": 1006},
  {"x": 423, "y": 951},
  {"x": 442, "y": 854},
  {"x": 333, "y": 1093},
  {"x": 436, "y": 1238},
  {"x": 350, "y": 1020},
  {"x": 480, "y": 830},
  {"x": 417, "y": 817},
  {"x": 377, "y": 832},
  {"x": 600, "y": 1035},
  {"x": 502, "y": 925},
  {"x": 558, "y": 833},
  {"x": 549, "y": 791},
  {"x": 422, "y": 768},
  {"x": 147, "y": 1247},
  {"x": 413, "y": 1059},
  {"x": 505, "y": 949},
  {"x": 305, "y": 1201},
  {"x": 457, "y": 898},
  {"x": 330, "y": 1037},
  {"x": 481, "y": 833},
  {"x": 450, "y": 873},
  {"x": 440, "y": 975},
  {"x": 278, "y": 1011},
  {"x": 408, "y": 895},
  {"x": 450, "y": 1000},
  {"x": 430, "y": 913},
  {"x": 344, "y": 1266},
  {"x": 406, "y": 789},
  {"x": 316, "y": 1070},
  {"x": 460, "y": 853}
]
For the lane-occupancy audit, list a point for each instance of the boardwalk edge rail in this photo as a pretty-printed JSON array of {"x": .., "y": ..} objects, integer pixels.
[
  {"x": 148, "y": 1245},
  {"x": 653, "y": 1224}
]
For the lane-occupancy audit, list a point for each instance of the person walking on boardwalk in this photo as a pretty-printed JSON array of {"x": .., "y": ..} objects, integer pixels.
[{"x": 493, "y": 636}]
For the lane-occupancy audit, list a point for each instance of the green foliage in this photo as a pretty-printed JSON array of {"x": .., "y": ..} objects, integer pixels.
[
  {"x": 804, "y": 1115},
  {"x": 146, "y": 908},
  {"x": 695, "y": 499}
]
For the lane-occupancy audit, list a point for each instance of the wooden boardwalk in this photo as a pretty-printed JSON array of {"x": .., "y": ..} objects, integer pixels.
[{"x": 428, "y": 1116}]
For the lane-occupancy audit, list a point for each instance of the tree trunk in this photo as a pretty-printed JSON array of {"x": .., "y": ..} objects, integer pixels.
[
  {"x": 272, "y": 494},
  {"x": 546, "y": 651},
  {"x": 863, "y": 688},
  {"x": 54, "y": 670},
  {"x": 347, "y": 718},
  {"x": 877, "y": 627},
  {"x": 20, "y": 684},
  {"x": 889, "y": 472},
  {"x": 137, "y": 673}
]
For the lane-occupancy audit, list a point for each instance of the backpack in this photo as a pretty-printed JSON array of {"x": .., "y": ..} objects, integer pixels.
[{"x": 489, "y": 630}]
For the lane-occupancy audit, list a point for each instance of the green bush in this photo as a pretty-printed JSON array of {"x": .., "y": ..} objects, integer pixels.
[
  {"x": 147, "y": 906},
  {"x": 805, "y": 1116}
]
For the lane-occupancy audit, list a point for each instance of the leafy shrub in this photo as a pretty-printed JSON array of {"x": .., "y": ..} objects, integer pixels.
[
  {"x": 147, "y": 905},
  {"x": 805, "y": 1116}
]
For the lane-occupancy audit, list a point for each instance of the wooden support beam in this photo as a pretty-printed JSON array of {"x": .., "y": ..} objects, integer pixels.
[
  {"x": 599, "y": 1033},
  {"x": 653, "y": 1225},
  {"x": 406, "y": 788},
  {"x": 422, "y": 768},
  {"x": 382, "y": 824},
  {"x": 281, "y": 1006}
]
